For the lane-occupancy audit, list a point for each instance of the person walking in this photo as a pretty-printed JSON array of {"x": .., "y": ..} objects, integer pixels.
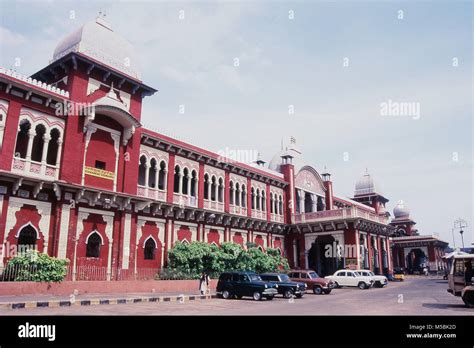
[{"x": 204, "y": 283}]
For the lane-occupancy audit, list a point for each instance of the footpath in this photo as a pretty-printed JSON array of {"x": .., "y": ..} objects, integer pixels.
[{"x": 39, "y": 301}]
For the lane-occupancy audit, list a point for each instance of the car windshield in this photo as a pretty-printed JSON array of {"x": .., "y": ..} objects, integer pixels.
[
  {"x": 255, "y": 277},
  {"x": 284, "y": 278},
  {"x": 313, "y": 275}
]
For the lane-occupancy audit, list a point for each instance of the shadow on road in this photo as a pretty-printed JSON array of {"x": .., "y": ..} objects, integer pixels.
[{"x": 444, "y": 305}]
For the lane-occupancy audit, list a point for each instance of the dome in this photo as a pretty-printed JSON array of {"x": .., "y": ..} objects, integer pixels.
[
  {"x": 98, "y": 41},
  {"x": 366, "y": 186},
  {"x": 292, "y": 151},
  {"x": 401, "y": 210}
]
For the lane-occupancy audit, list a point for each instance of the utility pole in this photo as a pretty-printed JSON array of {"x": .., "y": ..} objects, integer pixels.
[{"x": 460, "y": 223}]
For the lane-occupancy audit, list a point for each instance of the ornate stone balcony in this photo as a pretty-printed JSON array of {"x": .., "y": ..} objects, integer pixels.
[
  {"x": 340, "y": 214},
  {"x": 36, "y": 169},
  {"x": 213, "y": 205},
  {"x": 153, "y": 193}
]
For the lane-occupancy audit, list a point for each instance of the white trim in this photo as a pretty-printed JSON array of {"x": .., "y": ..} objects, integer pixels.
[
  {"x": 126, "y": 240},
  {"x": 64, "y": 231},
  {"x": 150, "y": 236},
  {"x": 96, "y": 211},
  {"x": 17, "y": 235},
  {"x": 97, "y": 232}
]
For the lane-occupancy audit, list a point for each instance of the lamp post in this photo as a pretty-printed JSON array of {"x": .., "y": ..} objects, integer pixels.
[{"x": 462, "y": 239}]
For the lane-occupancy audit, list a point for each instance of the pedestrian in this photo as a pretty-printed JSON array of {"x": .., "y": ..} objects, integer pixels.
[
  {"x": 468, "y": 272},
  {"x": 204, "y": 283}
]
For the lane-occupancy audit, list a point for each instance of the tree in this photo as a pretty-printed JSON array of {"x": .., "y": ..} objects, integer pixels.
[{"x": 194, "y": 258}]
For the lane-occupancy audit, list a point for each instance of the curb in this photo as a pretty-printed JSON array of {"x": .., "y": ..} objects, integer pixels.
[{"x": 103, "y": 301}]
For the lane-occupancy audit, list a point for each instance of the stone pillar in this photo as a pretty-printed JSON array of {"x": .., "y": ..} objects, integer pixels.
[
  {"x": 314, "y": 202},
  {"x": 301, "y": 198}
]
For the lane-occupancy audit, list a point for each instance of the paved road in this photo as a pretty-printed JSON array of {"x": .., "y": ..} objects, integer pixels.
[{"x": 414, "y": 296}]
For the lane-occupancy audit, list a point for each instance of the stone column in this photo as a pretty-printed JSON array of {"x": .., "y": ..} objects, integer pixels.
[
  {"x": 46, "y": 139},
  {"x": 301, "y": 198},
  {"x": 314, "y": 202}
]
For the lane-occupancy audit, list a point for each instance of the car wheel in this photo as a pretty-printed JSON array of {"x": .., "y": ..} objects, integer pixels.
[
  {"x": 257, "y": 296},
  {"x": 327, "y": 292},
  {"x": 288, "y": 293},
  {"x": 337, "y": 285},
  {"x": 468, "y": 299},
  {"x": 226, "y": 294},
  {"x": 362, "y": 285},
  {"x": 317, "y": 290}
]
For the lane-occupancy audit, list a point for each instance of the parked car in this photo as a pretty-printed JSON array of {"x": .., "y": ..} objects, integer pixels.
[
  {"x": 314, "y": 282},
  {"x": 398, "y": 274},
  {"x": 346, "y": 277},
  {"x": 286, "y": 286},
  {"x": 460, "y": 278},
  {"x": 379, "y": 280},
  {"x": 239, "y": 284}
]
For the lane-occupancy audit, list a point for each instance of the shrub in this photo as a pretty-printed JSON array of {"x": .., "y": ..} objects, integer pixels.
[
  {"x": 194, "y": 258},
  {"x": 38, "y": 267}
]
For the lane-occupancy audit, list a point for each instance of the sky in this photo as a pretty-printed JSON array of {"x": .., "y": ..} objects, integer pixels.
[{"x": 240, "y": 67}]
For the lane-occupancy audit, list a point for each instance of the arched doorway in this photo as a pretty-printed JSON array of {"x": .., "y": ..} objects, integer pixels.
[
  {"x": 27, "y": 238},
  {"x": 415, "y": 260},
  {"x": 322, "y": 256}
]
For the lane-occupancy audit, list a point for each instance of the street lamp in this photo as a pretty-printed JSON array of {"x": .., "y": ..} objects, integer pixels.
[{"x": 462, "y": 239}]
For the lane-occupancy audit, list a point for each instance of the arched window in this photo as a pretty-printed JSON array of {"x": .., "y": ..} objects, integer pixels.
[
  {"x": 231, "y": 193},
  {"x": 93, "y": 245},
  {"x": 52, "y": 155},
  {"x": 280, "y": 205},
  {"x": 271, "y": 203},
  {"x": 193, "y": 183},
  {"x": 150, "y": 248},
  {"x": 22, "y": 139},
  {"x": 162, "y": 176},
  {"x": 264, "y": 201},
  {"x": 177, "y": 176},
  {"x": 26, "y": 238},
  {"x": 220, "y": 192},
  {"x": 258, "y": 200},
  {"x": 38, "y": 143},
  {"x": 185, "y": 181},
  {"x": 152, "y": 174},
  {"x": 142, "y": 171},
  {"x": 206, "y": 186},
  {"x": 252, "y": 194},
  {"x": 237, "y": 194},
  {"x": 213, "y": 188}
]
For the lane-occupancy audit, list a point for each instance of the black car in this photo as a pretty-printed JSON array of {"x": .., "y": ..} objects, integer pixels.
[
  {"x": 286, "y": 286},
  {"x": 239, "y": 284}
]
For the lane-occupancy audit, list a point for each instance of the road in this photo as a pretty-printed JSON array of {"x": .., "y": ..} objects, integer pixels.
[{"x": 414, "y": 296}]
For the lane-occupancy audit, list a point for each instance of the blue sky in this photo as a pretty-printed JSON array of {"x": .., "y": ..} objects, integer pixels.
[{"x": 298, "y": 62}]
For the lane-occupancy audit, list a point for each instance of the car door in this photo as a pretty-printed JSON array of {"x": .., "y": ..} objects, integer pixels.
[
  {"x": 340, "y": 278},
  {"x": 352, "y": 279},
  {"x": 246, "y": 288}
]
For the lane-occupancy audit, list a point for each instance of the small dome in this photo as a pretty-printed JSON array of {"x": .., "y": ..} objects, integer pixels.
[
  {"x": 291, "y": 150},
  {"x": 98, "y": 41},
  {"x": 366, "y": 186},
  {"x": 401, "y": 210}
]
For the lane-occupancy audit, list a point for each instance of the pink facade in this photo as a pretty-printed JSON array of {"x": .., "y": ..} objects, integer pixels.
[{"x": 101, "y": 189}]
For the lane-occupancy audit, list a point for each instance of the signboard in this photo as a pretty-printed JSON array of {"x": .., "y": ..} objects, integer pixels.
[{"x": 100, "y": 173}]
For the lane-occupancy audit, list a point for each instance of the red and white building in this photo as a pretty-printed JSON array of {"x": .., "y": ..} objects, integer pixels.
[{"x": 92, "y": 184}]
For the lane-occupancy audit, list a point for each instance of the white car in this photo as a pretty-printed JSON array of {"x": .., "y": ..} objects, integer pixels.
[
  {"x": 379, "y": 280},
  {"x": 346, "y": 277}
]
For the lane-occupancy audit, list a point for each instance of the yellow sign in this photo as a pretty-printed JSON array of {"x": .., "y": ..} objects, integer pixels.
[{"x": 100, "y": 173}]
